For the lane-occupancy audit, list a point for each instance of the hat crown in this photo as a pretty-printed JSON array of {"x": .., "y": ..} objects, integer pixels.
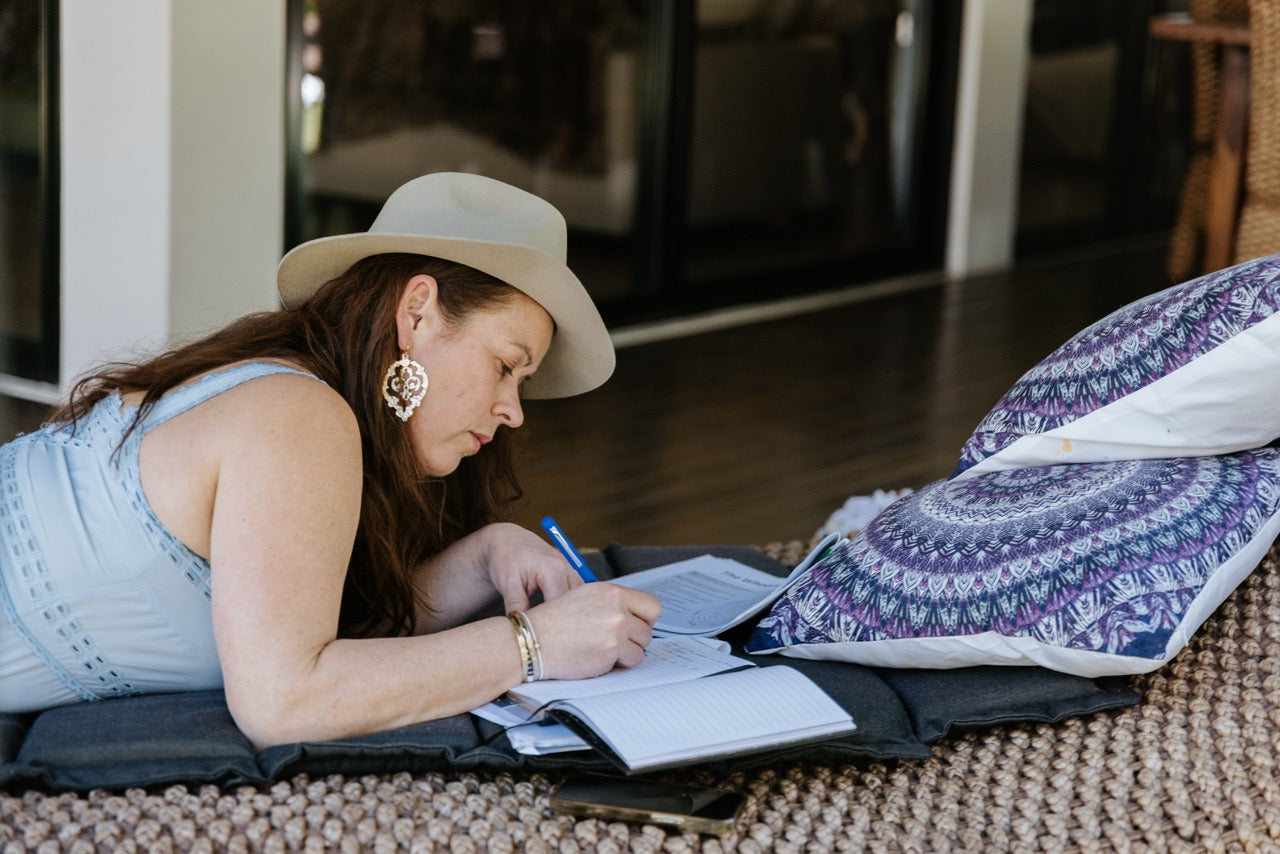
[
  {"x": 512, "y": 235},
  {"x": 463, "y": 206}
]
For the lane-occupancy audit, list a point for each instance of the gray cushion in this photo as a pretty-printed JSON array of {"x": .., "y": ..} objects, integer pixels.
[{"x": 168, "y": 738}]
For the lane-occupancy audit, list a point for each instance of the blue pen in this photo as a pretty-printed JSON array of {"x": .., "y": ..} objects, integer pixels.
[{"x": 566, "y": 548}]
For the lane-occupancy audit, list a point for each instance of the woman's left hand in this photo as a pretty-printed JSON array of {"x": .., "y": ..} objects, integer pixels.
[
  {"x": 519, "y": 562},
  {"x": 460, "y": 581}
]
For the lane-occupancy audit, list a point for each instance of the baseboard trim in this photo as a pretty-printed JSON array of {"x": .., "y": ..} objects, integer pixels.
[{"x": 24, "y": 389}]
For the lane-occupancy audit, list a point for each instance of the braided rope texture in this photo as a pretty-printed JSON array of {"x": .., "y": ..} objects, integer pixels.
[
  {"x": 1191, "y": 768},
  {"x": 1184, "y": 243},
  {"x": 1186, "y": 235},
  {"x": 1259, "y": 230}
]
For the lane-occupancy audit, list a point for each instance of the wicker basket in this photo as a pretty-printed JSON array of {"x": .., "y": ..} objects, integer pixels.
[
  {"x": 1259, "y": 229},
  {"x": 1187, "y": 240}
]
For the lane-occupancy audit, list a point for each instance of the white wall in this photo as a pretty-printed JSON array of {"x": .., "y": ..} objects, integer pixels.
[
  {"x": 227, "y": 180},
  {"x": 172, "y": 170},
  {"x": 115, "y": 177},
  {"x": 987, "y": 151}
]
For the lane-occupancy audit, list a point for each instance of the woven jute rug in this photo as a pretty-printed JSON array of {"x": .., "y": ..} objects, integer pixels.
[{"x": 1193, "y": 767}]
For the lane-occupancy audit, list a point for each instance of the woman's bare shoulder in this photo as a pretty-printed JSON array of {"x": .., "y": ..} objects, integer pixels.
[
  {"x": 299, "y": 406},
  {"x": 276, "y": 412},
  {"x": 268, "y": 430}
]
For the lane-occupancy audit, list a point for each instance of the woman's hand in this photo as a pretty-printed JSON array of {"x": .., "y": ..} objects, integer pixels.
[
  {"x": 461, "y": 581},
  {"x": 519, "y": 562},
  {"x": 592, "y": 628},
  {"x": 583, "y": 629}
]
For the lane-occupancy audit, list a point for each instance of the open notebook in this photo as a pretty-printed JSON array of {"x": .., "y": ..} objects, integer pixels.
[
  {"x": 688, "y": 701},
  {"x": 707, "y": 595},
  {"x": 743, "y": 711}
]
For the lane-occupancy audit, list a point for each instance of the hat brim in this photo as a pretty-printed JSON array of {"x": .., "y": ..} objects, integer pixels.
[{"x": 581, "y": 355}]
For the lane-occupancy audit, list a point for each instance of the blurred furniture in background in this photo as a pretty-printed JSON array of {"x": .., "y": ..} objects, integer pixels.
[
  {"x": 1258, "y": 232},
  {"x": 1106, "y": 118},
  {"x": 1230, "y": 209},
  {"x": 703, "y": 153},
  {"x": 763, "y": 140},
  {"x": 1205, "y": 229}
]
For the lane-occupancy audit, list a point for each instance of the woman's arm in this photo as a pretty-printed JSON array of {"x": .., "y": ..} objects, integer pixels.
[
  {"x": 500, "y": 561},
  {"x": 284, "y": 519}
]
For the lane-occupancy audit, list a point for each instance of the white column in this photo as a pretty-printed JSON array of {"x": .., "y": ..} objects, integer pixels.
[
  {"x": 987, "y": 151},
  {"x": 115, "y": 179},
  {"x": 227, "y": 184},
  {"x": 172, "y": 171}
]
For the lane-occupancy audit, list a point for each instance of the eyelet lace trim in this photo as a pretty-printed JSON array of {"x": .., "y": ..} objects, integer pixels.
[
  {"x": 100, "y": 431},
  {"x": 39, "y": 589}
]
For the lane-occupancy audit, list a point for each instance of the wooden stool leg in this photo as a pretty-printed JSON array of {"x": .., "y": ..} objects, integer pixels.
[{"x": 1222, "y": 206}]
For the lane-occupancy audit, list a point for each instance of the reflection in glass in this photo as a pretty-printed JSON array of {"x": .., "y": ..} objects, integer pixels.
[
  {"x": 532, "y": 94},
  {"x": 28, "y": 290},
  {"x": 1105, "y": 131},
  {"x": 805, "y": 133},
  {"x": 687, "y": 144}
]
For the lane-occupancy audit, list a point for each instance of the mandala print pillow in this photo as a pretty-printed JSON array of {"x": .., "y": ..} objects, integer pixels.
[
  {"x": 1193, "y": 370},
  {"x": 1093, "y": 569}
]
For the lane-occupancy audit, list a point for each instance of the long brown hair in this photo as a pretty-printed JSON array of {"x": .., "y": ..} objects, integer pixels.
[{"x": 345, "y": 335}]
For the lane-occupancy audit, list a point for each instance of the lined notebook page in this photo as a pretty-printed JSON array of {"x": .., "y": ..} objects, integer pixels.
[
  {"x": 706, "y": 595},
  {"x": 703, "y": 595},
  {"x": 707, "y": 717},
  {"x": 666, "y": 660}
]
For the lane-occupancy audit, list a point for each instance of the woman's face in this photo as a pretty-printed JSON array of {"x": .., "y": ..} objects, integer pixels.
[{"x": 475, "y": 367}]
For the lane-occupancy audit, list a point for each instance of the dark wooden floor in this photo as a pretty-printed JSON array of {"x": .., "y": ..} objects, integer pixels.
[{"x": 756, "y": 433}]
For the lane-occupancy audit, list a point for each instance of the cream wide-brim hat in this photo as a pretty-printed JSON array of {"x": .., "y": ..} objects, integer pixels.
[{"x": 494, "y": 227}]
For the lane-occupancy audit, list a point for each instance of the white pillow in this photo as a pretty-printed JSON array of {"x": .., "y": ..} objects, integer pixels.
[
  {"x": 1094, "y": 569},
  {"x": 1192, "y": 370}
]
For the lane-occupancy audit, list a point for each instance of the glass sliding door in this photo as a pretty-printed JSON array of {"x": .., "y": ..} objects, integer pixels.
[
  {"x": 808, "y": 157},
  {"x": 28, "y": 191},
  {"x": 542, "y": 96},
  {"x": 1106, "y": 131},
  {"x": 698, "y": 150}
]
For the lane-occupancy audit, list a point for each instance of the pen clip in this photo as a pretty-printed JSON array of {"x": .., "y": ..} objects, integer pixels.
[{"x": 567, "y": 549}]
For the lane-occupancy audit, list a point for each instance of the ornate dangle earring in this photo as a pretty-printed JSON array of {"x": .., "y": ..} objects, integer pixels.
[{"x": 404, "y": 386}]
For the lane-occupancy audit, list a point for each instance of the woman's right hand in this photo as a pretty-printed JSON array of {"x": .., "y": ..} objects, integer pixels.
[{"x": 593, "y": 627}]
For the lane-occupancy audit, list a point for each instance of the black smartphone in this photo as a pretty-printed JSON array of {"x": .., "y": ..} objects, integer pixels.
[{"x": 700, "y": 810}]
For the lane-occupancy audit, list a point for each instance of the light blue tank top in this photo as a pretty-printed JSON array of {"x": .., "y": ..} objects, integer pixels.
[{"x": 99, "y": 600}]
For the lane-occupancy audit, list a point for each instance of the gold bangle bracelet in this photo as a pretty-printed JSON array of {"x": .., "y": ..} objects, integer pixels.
[
  {"x": 533, "y": 642},
  {"x": 529, "y": 654},
  {"x": 530, "y": 649}
]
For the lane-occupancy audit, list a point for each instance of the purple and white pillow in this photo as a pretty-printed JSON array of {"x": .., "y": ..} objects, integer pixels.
[
  {"x": 1093, "y": 569},
  {"x": 1193, "y": 370}
]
